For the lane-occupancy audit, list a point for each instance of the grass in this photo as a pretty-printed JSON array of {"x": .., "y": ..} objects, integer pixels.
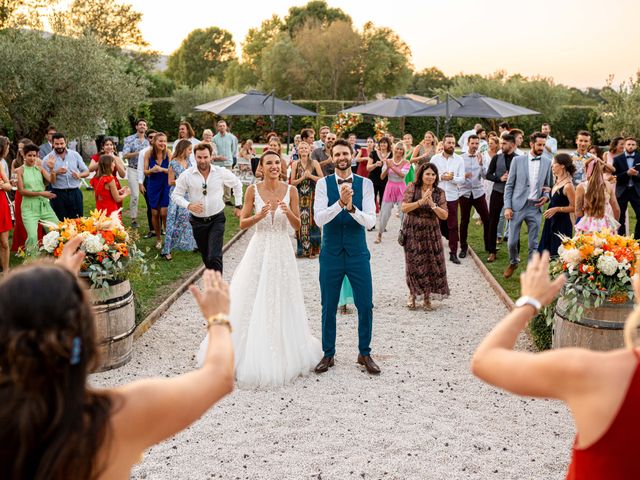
[{"x": 164, "y": 276}]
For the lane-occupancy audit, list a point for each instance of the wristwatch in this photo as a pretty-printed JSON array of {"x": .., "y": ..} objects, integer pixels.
[
  {"x": 351, "y": 210},
  {"x": 527, "y": 300}
]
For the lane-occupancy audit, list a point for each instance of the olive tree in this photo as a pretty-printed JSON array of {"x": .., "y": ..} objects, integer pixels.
[{"x": 74, "y": 84}]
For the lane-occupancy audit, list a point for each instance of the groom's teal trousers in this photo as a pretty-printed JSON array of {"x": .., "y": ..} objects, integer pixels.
[{"x": 333, "y": 269}]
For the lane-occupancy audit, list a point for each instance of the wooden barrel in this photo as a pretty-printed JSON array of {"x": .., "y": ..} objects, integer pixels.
[
  {"x": 115, "y": 323},
  {"x": 599, "y": 328}
]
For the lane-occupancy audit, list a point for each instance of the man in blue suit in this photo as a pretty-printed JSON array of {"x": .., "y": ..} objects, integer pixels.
[
  {"x": 344, "y": 207},
  {"x": 627, "y": 167}
]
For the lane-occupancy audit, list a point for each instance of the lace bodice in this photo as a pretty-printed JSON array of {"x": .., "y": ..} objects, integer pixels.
[{"x": 274, "y": 222}]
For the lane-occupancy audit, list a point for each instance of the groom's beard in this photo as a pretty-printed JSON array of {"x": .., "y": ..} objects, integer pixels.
[{"x": 342, "y": 167}]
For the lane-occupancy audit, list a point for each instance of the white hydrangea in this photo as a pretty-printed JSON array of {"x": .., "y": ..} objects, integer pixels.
[
  {"x": 92, "y": 243},
  {"x": 608, "y": 264},
  {"x": 597, "y": 252},
  {"x": 571, "y": 256},
  {"x": 51, "y": 240}
]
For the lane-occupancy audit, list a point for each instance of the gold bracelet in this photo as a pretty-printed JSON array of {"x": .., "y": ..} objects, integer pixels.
[{"x": 219, "y": 319}]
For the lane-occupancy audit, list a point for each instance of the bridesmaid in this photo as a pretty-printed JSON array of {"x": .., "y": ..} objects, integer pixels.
[
  {"x": 562, "y": 205},
  {"x": 156, "y": 168},
  {"x": 35, "y": 205},
  {"x": 305, "y": 172},
  {"x": 179, "y": 234}
]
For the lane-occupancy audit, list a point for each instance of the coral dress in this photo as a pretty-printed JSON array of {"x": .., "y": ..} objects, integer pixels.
[{"x": 104, "y": 200}]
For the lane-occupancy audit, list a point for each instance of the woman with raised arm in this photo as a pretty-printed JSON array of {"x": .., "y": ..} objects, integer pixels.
[
  {"x": 271, "y": 336},
  {"x": 601, "y": 389},
  {"x": 55, "y": 425}
]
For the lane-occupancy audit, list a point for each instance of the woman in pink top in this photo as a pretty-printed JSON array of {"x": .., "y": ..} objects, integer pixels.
[{"x": 602, "y": 389}]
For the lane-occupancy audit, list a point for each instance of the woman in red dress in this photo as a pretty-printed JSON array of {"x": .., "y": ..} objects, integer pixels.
[
  {"x": 362, "y": 158},
  {"x": 6, "y": 225},
  {"x": 105, "y": 185},
  {"x": 109, "y": 148}
]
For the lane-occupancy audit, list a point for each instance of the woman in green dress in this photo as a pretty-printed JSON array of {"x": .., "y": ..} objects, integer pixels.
[{"x": 35, "y": 206}]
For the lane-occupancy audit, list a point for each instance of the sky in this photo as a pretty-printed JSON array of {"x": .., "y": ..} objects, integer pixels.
[{"x": 577, "y": 42}]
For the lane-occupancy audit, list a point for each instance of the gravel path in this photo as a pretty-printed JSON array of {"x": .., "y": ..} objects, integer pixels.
[{"x": 425, "y": 417}]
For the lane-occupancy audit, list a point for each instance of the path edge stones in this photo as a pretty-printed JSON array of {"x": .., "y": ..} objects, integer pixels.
[{"x": 150, "y": 319}]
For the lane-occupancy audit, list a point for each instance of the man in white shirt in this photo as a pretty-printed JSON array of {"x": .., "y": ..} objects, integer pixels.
[
  {"x": 451, "y": 171},
  {"x": 324, "y": 131},
  {"x": 551, "y": 147},
  {"x": 472, "y": 193},
  {"x": 526, "y": 191},
  {"x": 205, "y": 184},
  {"x": 344, "y": 207},
  {"x": 462, "y": 142}
]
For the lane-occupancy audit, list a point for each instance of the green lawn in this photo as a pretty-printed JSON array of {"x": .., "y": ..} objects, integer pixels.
[{"x": 164, "y": 276}]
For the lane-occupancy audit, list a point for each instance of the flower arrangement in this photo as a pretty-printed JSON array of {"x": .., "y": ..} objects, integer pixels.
[
  {"x": 380, "y": 126},
  {"x": 346, "y": 122},
  {"x": 599, "y": 266},
  {"x": 109, "y": 251}
]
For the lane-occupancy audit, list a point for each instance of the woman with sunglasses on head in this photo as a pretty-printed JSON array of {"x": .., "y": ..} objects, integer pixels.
[{"x": 54, "y": 424}]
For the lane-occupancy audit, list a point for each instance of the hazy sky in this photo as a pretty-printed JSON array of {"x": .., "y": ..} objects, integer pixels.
[{"x": 577, "y": 42}]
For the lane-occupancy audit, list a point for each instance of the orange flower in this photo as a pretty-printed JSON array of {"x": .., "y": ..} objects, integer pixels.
[{"x": 108, "y": 236}]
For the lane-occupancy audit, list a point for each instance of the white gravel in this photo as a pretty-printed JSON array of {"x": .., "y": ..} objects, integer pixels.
[{"x": 424, "y": 417}]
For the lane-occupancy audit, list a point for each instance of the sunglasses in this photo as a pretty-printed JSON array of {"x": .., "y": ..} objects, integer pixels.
[{"x": 204, "y": 189}]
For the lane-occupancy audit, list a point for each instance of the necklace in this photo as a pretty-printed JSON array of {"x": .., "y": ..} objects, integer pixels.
[{"x": 397, "y": 164}]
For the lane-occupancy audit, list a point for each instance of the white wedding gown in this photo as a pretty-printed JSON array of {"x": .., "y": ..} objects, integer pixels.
[{"x": 271, "y": 338}]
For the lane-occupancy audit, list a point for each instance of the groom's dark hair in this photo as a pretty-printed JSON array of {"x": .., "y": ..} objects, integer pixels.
[{"x": 343, "y": 142}]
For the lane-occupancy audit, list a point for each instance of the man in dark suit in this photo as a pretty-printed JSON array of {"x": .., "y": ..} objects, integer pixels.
[{"x": 627, "y": 167}]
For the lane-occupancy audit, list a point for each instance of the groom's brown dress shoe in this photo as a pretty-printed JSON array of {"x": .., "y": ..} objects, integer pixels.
[
  {"x": 369, "y": 364},
  {"x": 324, "y": 364}
]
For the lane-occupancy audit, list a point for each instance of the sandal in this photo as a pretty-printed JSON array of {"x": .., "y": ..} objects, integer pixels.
[
  {"x": 427, "y": 304},
  {"x": 378, "y": 239},
  {"x": 158, "y": 245},
  {"x": 411, "y": 303},
  {"x": 168, "y": 257}
]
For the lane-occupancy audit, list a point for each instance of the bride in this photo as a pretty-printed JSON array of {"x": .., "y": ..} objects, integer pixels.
[{"x": 271, "y": 337}]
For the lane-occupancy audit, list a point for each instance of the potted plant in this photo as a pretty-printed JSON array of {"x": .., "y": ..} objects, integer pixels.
[
  {"x": 111, "y": 257},
  {"x": 598, "y": 296}
]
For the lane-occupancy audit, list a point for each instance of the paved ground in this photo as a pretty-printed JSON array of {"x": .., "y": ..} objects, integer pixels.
[{"x": 425, "y": 417}]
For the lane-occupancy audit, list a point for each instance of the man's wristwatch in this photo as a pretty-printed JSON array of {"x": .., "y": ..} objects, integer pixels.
[{"x": 527, "y": 300}]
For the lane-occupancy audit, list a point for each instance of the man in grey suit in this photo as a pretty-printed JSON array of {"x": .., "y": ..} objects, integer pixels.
[
  {"x": 526, "y": 191},
  {"x": 47, "y": 147}
]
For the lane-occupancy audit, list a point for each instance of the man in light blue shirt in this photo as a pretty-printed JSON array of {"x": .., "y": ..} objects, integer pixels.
[
  {"x": 224, "y": 142},
  {"x": 66, "y": 174},
  {"x": 551, "y": 147}
]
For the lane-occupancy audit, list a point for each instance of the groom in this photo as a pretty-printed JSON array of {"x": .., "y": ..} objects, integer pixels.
[{"x": 344, "y": 207}]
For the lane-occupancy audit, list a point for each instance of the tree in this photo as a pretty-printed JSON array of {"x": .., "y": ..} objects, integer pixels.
[
  {"x": 23, "y": 13},
  {"x": 186, "y": 98},
  {"x": 112, "y": 23},
  {"x": 316, "y": 11},
  {"x": 239, "y": 76},
  {"x": 283, "y": 68},
  {"x": 385, "y": 62},
  {"x": 73, "y": 84},
  {"x": 428, "y": 82},
  {"x": 330, "y": 54},
  {"x": 257, "y": 40},
  {"x": 202, "y": 55},
  {"x": 620, "y": 112}
]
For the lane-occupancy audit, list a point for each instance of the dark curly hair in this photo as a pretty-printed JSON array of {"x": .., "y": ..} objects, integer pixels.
[{"x": 51, "y": 424}]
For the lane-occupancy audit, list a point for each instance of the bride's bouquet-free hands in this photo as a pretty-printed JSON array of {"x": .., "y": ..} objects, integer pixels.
[{"x": 213, "y": 299}]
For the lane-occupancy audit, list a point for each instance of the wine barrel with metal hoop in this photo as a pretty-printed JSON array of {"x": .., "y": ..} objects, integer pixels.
[
  {"x": 115, "y": 323},
  {"x": 598, "y": 328}
]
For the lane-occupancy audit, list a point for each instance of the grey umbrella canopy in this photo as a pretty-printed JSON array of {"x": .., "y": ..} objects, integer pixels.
[
  {"x": 254, "y": 103},
  {"x": 400, "y": 106},
  {"x": 473, "y": 105}
]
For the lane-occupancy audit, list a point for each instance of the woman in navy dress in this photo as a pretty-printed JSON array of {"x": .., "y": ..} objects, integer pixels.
[
  {"x": 156, "y": 168},
  {"x": 562, "y": 204}
]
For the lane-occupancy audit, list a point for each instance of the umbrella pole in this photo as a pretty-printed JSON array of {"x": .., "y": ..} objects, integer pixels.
[
  {"x": 288, "y": 126},
  {"x": 273, "y": 110},
  {"x": 446, "y": 117}
]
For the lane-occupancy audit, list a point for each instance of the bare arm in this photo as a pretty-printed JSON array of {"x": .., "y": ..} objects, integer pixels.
[
  {"x": 371, "y": 164},
  {"x": 579, "y": 201},
  {"x": 181, "y": 400},
  {"x": 172, "y": 176},
  {"x": 292, "y": 211},
  {"x": 613, "y": 201},
  {"x": 117, "y": 196},
  {"x": 247, "y": 220},
  {"x": 295, "y": 180}
]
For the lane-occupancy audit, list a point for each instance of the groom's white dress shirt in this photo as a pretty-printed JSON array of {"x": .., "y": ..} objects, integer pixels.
[
  {"x": 192, "y": 182},
  {"x": 324, "y": 213}
]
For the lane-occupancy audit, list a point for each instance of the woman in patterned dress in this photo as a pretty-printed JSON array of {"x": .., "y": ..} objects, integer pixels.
[
  {"x": 424, "y": 206},
  {"x": 179, "y": 234},
  {"x": 304, "y": 175}
]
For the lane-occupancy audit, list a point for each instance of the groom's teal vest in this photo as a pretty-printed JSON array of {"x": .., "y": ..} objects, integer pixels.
[{"x": 343, "y": 232}]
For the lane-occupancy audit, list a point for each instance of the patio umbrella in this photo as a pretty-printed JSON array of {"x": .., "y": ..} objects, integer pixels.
[
  {"x": 473, "y": 105},
  {"x": 398, "y": 107},
  {"x": 254, "y": 103},
  {"x": 257, "y": 103}
]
